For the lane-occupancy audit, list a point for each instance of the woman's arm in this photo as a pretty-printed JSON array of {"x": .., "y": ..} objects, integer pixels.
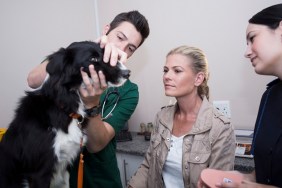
[
  {"x": 223, "y": 145},
  {"x": 140, "y": 178}
]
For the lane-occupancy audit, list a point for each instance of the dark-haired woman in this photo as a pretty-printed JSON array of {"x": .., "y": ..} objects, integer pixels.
[{"x": 264, "y": 49}]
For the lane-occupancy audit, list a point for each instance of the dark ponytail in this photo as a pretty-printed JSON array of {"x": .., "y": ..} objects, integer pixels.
[{"x": 270, "y": 16}]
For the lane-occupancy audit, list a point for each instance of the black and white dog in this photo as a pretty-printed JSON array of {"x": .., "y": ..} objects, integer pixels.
[{"x": 44, "y": 136}]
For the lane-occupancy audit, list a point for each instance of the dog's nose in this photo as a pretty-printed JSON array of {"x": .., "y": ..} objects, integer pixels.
[{"x": 126, "y": 73}]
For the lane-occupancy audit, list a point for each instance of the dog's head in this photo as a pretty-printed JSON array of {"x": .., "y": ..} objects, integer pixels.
[
  {"x": 64, "y": 77},
  {"x": 64, "y": 65}
]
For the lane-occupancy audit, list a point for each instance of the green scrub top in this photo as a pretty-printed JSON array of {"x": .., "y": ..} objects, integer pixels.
[{"x": 101, "y": 169}]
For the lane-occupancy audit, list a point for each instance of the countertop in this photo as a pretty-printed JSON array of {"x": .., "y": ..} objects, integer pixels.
[{"x": 138, "y": 146}]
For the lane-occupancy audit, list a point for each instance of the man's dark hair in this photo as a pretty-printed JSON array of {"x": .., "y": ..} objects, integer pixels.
[
  {"x": 270, "y": 16},
  {"x": 136, "y": 19}
]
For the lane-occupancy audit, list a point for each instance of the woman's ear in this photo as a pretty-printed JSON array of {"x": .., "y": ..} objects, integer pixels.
[
  {"x": 106, "y": 29},
  {"x": 200, "y": 76}
]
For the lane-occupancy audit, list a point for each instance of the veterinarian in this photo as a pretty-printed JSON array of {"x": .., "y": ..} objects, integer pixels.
[
  {"x": 190, "y": 135},
  {"x": 108, "y": 109},
  {"x": 264, "y": 49}
]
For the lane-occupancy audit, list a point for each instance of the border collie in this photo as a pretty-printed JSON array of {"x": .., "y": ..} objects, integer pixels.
[{"x": 44, "y": 136}]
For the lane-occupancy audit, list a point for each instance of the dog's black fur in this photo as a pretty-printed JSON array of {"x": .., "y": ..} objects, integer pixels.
[{"x": 31, "y": 150}]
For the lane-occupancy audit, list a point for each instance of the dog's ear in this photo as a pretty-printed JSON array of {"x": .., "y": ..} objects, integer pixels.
[
  {"x": 58, "y": 70},
  {"x": 55, "y": 60},
  {"x": 63, "y": 76}
]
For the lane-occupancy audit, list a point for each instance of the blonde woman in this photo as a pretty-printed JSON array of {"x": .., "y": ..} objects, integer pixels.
[{"x": 190, "y": 135}]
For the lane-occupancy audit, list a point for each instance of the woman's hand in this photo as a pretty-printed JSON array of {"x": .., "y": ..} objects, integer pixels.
[{"x": 217, "y": 174}]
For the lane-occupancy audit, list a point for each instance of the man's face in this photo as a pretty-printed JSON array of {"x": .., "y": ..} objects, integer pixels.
[{"x": 125, "y": 37}]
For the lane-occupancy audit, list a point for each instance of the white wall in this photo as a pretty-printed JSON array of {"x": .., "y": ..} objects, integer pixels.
[{"x": 32, "y": 29}]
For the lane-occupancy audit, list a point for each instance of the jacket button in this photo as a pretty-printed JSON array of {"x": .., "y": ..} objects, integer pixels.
[{"x": 197, "y": 158}]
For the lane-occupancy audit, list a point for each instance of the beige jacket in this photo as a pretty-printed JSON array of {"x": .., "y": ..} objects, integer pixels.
[{"x": 210, "y": 144}]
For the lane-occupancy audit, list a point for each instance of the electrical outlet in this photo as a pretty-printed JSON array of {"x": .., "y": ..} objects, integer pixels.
[{"x": 223, "y": 107}]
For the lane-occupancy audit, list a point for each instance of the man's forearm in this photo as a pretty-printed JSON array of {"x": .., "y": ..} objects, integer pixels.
[
  {"x": 99, "y": 134},
  {"x": 37, "y": 75}
]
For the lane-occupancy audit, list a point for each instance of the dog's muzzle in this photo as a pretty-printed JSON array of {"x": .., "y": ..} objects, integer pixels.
[{"x": 126, "y": 73}]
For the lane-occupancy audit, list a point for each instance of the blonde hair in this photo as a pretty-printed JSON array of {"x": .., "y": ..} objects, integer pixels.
[{"x": 199, "y": 64}]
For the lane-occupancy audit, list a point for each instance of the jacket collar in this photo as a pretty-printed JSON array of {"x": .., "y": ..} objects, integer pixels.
[
  {"x": 203, "y": 122},
  {"x": 204, "y": 118}
]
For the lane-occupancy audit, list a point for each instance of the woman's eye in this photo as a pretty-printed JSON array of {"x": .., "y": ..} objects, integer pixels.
[
  {"x": 252, "y": 38},
  {"x": 177, "y": 71}
]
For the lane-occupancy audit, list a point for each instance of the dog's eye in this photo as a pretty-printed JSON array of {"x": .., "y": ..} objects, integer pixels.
[{"x": 94, "y": 59}]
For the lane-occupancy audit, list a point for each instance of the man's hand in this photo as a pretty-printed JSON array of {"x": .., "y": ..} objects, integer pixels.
[
  {"x": 93, "y": 87},
  {"x": 111, "y": 53}
]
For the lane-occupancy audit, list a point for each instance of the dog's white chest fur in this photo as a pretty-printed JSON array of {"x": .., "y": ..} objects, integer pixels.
[{"x": 66, "y": 148}]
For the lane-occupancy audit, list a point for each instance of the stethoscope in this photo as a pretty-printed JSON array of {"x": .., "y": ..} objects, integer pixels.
[{"x": 114, "y": 92}]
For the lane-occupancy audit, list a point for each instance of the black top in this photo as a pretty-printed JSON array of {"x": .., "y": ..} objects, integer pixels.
[{"x": 267, "y": 143}]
